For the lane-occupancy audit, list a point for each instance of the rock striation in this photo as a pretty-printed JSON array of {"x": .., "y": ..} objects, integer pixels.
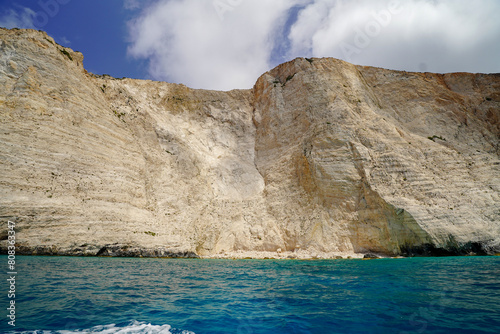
[{"x": 321, "y": 158}]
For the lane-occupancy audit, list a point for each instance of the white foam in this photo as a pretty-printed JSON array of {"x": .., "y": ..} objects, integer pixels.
[{"x": 135, "y": 327}]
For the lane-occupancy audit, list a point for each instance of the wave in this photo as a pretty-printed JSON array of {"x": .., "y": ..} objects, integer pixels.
[{"x": 133, "y": 327}]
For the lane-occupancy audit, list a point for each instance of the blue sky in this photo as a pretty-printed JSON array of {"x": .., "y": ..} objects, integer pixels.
[
  {"x": 96, "y": 28},
  {"x": 224, "y": 44}
]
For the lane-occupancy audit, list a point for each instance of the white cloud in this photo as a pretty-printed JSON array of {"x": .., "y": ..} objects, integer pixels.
[
  {"x": 131, "y": 4},
  {"x": 21, "y": 18},
  {"x": 64, "y": 41},
  {"x": 432, "y": 35},
  {"x": 221, "y": 44},
  {"x": 225, "y": 44}
]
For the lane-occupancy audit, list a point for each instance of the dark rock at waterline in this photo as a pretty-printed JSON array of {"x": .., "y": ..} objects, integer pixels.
[
  {"x": 371, "y": 256},
  {"x": 128, "y": 251},
  {"x": 115, "y": 250},
  {"x": 451, "y": 249}
]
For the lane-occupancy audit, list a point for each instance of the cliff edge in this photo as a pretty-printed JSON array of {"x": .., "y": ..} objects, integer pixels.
[{"x": 321, "y": 158}]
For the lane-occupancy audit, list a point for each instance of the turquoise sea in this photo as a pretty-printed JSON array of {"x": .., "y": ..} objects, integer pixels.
[{"x": 138, "y": 295}]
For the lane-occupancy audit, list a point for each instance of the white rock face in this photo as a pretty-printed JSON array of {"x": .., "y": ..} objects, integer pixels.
[{"x": 321, "y": 158}]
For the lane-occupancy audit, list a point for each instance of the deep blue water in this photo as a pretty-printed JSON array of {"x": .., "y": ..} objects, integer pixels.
[{"x": 134, "y": 295}]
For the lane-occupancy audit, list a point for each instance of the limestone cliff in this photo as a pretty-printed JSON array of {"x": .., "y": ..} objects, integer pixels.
[{"x": 321, "y": 158}]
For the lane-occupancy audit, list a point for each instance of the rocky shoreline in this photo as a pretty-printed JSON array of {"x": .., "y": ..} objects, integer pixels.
[{"x": 116, "y": 250}]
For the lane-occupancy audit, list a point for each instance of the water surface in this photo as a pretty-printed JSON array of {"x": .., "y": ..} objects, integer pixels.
[{"x": 136, "y": 295}]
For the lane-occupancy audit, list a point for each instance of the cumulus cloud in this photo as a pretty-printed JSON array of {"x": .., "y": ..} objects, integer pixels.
[
  {"x": 20, "y": 18},
  {"x": 225, "y": 44},
  {"x": 437, "y": 35},
  {"x": 220, "y": 44}
]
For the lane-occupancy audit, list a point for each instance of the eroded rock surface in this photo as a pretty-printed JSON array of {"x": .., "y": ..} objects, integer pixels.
[{"x": 321, "y": 158}]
